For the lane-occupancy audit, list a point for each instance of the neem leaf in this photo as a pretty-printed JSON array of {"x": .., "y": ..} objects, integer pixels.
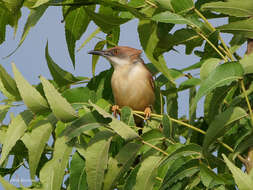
[
  {"x": 222, "y": 75},
  {"x": 60, "y": 76},
  {"x": 243, "y": 181},
  {"x": 182, "y": 6},
  {"x": 31, "y": 97},
  {"x": 15, "y": 131},
  {"x": 59, "y": 105},
  {"x": 118, "y": 126},
  {"x": 120, "y": 164},
  {"x": 219, "y": 125}
]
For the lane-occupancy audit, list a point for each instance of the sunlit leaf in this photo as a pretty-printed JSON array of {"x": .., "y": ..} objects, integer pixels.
[
  {"x": 59, "y": 105},
  {"x": 92, "y": 35},
  {"x": 7, "y": 185}
]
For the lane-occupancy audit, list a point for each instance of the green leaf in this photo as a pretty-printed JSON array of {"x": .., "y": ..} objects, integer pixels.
[
  {"x": 79, "y": 95},
  {"x": 165, "y": 4},
  {"x": 7, "y": 185},
  {"x": 31, "y": 97},
  {"x": 78, "y": 176},
  {"x": 59, "y": 105},
  {"x": 182, "y": 6},
  {"x": 91, "y": 36},
  {"x": 208, "y": 66},
  {"x": 243, "y": 27},
  {"x": 243, "y": 181},
  {"x": 222, "y": 75},
  {"x": 118, "y": 166},
  {"x": 145, "y": 178},
  {"x": 118, "y": 126},
  {"x": 35, "y": 143},
  {"x": 168, "y": 129},
  {"x": 33, "y": 18},
  {"x": 246, "y": 63},
  {"x": 169, "y": 17},
  {"x": 76, "y": 23},
  {"x": 219, "y": 126},
  {"x": 13, "y": 5},
  {"x": 192, "y": 82},
  {"x": 209, "y": 178},
  {"x": 15, "y": 131},
  {"x": 245, "y": 143},
  {"x": 60, "y": 76},
  {"x": 3, "y": 111},
  {"x": 231, "y": 7},
  {"x": 99, "y": 46},
  {"x": 8, "y": 85},
  {"x": 52, "y": 173},
  {"x": 96, "y": 156},
  {"x": 126, "y": 115},
  {"x": 148, "y": 37},
  {"x": 39, "y": 3}
]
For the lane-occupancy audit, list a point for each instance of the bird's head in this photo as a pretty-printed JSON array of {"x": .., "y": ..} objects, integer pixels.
[{"x": 119, "y": 55}]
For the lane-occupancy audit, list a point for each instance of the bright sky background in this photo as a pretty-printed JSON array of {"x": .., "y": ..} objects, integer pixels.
[{"x": 31, "y": 62}]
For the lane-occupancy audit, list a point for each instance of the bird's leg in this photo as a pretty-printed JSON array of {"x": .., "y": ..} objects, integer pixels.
[
  {"x": 147, "y": 112},
  {"x": 115, "y": 110}
]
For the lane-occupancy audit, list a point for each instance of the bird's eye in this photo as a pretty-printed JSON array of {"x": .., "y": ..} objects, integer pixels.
[{"x": 115, "y": 52}]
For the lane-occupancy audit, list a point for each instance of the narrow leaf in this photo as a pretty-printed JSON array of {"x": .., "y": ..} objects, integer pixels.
[
  {"x": 31, "y": 97},
  {"x": 15, "y": 131},
  {"x": 59, "y": 105},
  {"x": 7, "y": 185}
]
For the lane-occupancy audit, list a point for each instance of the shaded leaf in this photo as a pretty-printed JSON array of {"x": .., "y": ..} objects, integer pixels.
[
  {"x": 168, "y": 130},
  {"x": 31, "y": 97},
  {"x": 99, "y": 46},
  {"x": 182, "y": 6},
  {"x": 59, "y": 105},
  {"x": 246, "y": 63},
  {"x": 127, "y": 116}
]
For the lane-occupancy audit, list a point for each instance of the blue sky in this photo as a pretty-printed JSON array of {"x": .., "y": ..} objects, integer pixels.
[{"x": 30, "y": 57}]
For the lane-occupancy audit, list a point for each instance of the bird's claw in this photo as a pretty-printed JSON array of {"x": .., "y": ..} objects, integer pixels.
[
  {"x": 147, "y": 113},
  {"x": 115, "y": 110}
]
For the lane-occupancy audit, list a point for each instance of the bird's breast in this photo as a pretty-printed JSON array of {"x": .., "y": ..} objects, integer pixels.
[{"x": 131, "y": 87}]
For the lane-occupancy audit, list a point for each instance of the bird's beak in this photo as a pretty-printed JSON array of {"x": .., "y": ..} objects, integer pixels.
[{"x": 97, "y": 52}]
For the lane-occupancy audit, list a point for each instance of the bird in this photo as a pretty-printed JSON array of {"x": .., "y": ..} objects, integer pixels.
[{"x": 132, "y": 83}]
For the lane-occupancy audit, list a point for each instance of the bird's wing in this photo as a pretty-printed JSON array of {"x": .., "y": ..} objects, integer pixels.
[{"x": 151, "y": 81}]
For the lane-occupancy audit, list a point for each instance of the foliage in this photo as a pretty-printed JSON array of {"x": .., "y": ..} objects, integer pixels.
[{"x": 89, "y": 148}]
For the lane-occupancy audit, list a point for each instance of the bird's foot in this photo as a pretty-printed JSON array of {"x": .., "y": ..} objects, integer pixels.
[
  {"x": 115, "y": 110},
  {"x": 147, "y": 113}
]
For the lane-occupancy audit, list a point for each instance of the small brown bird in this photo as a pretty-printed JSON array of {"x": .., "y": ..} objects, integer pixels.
[{"x": 132, "y": 83}]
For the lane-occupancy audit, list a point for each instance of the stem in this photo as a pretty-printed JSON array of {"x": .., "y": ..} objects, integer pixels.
[
  {"x": 247, "y": 100},
  {"x": 155, "y": 147}
]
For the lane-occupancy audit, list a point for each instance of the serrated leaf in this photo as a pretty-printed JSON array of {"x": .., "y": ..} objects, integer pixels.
[
  {"x": 222, "y": 75},
  {"x": 8, "y": 85},
  {"x": 15, "y": 131},
  {"x": 78, "y": 176},
  {"x": 218, "y": 127},
  {"x": 231, "y": 7},
  {"x": 243, "y": 27},
  {"x": 76, "y": 23},
  {"x": 60, "y": 76},
  {"x": 145, "y": 178},
  {"x": 33, "y": 18},
  {"x": 35, "y": 143},
  {"x": 243, "y": 181},
  {"x": 52, "y": 173},
  {"x": 59, "y": 105},
  {"x": 96, "y": 156},
  {"x": 118, "y": 126},
  {"x": 120, "y": 164},
  {"x": 31, "y": 97}
]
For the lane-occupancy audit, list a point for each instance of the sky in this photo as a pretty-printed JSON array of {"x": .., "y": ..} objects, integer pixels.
[{"x": 31, "y": 62}]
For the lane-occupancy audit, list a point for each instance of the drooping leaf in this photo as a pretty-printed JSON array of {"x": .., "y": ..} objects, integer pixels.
[
  {"x": 33, "y": 18},
  {"x": 52, "y": 173},
  {"x": 231, "y": 7},
  {"x": 222, "y": 75},
  {"x": 76, "y": 23},
  {"x": 31, "y": 97},
  {"x": 60, "y": 76},
  {"x": 118, "y": 126},
  {"x": 96, "y": 156},
  {"x": 35, "y": 143},
  {"x": 15, "y": 131},
  {"x": 243, "y": 27},
  {"x": 92, "y": 35},
  {"x": 145, "y": 178},
  {"x": 120, "y": 164},
  {"x": 8, "y": 86},
  {"x": 59, "y": 105},
  {"x": 219, "y": 125},
  {"x": 127, "y": 116},
  {"x": 78, "y": 176},
  {"x": 243, "y": 181}
]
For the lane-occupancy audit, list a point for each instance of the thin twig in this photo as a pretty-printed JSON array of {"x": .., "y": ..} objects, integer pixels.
[{"x": 155, "y": 147}]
